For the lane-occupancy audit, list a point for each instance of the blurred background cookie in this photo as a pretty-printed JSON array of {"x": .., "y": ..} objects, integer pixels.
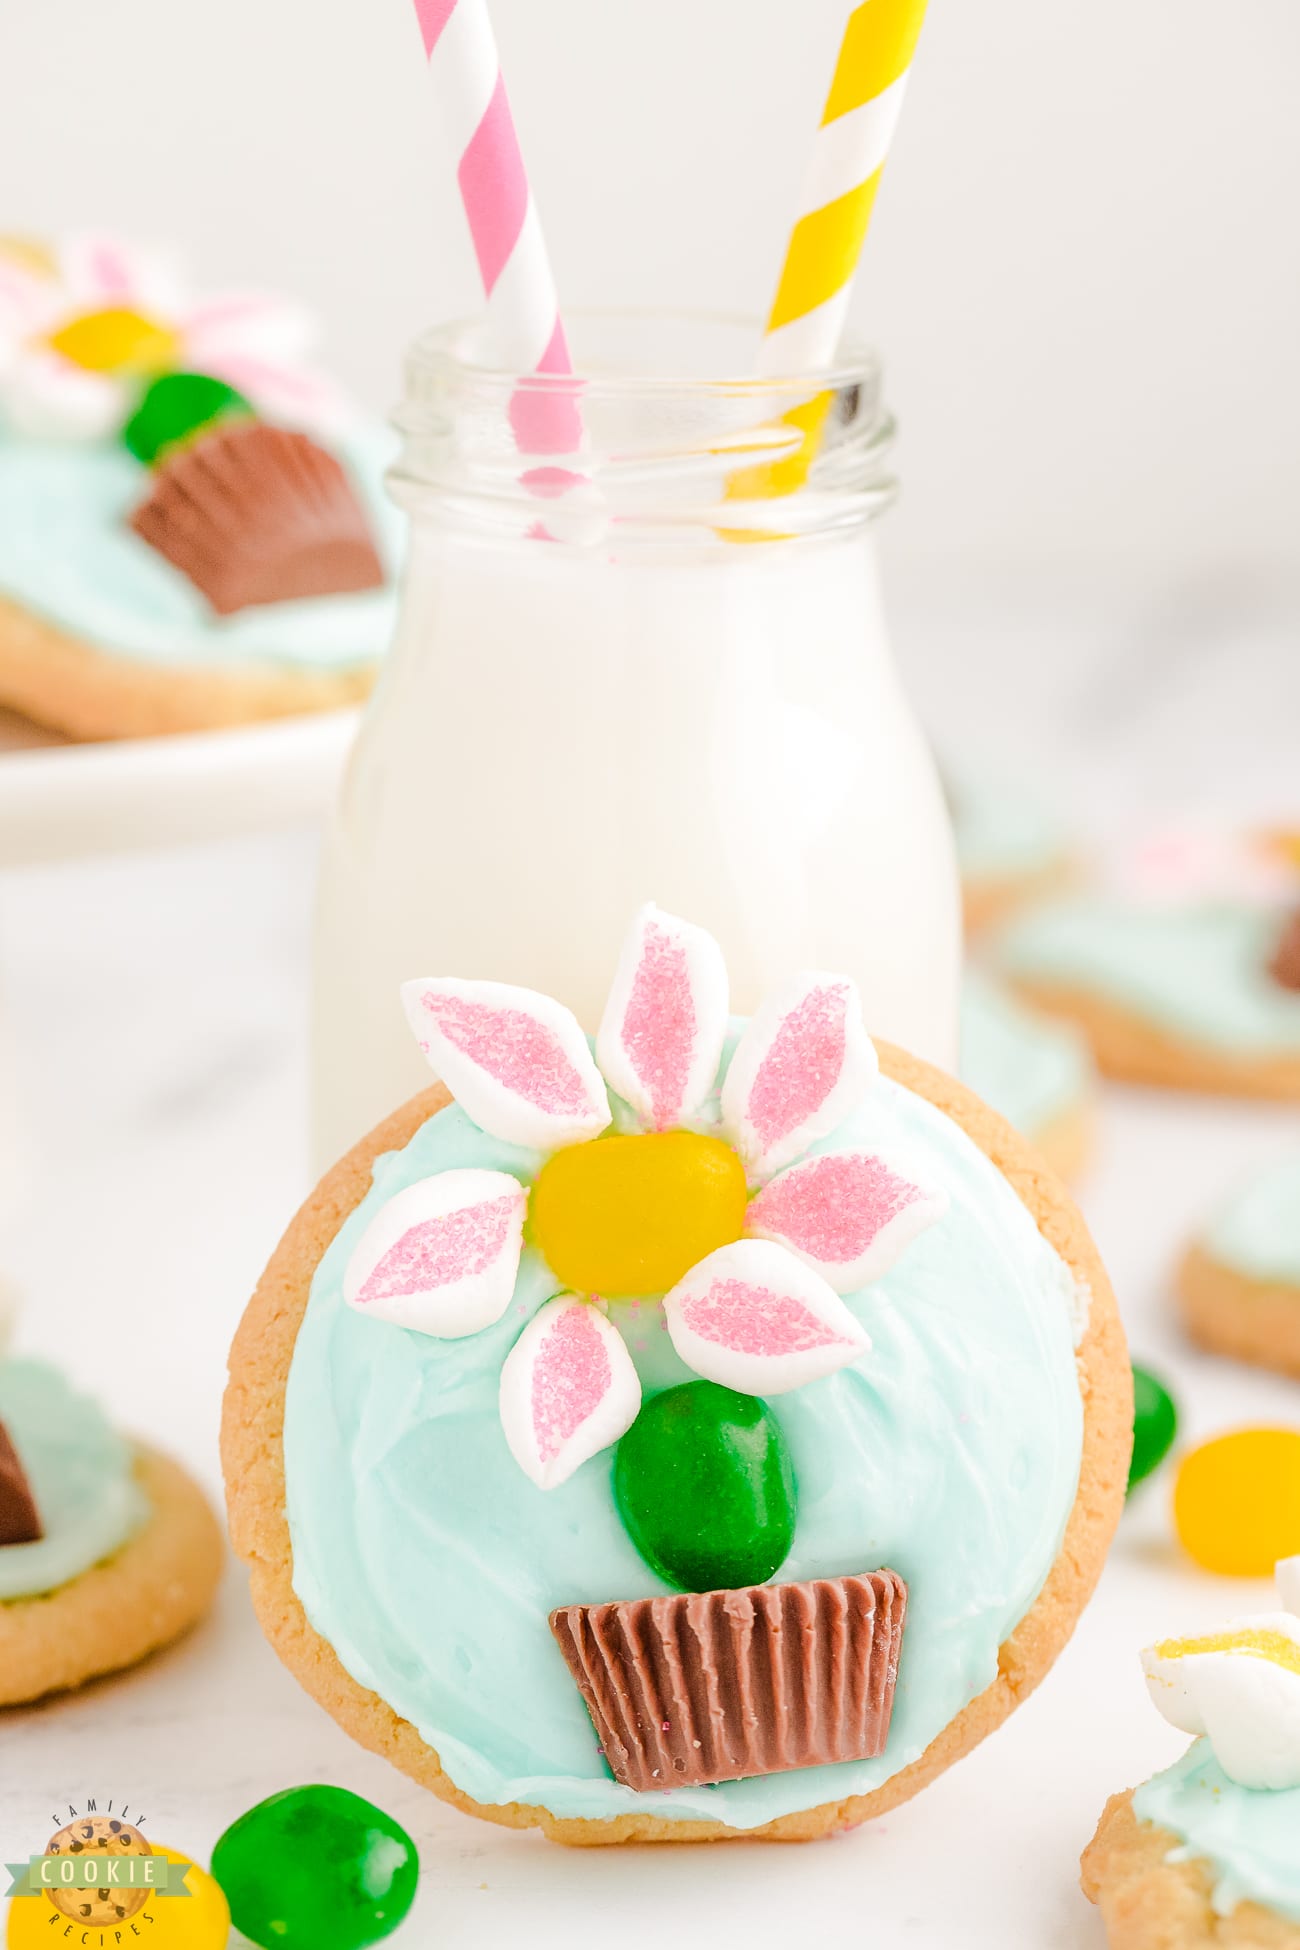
[
  {"x": 1238, "y": 1283},
  {"x": 1038, "y": 1072}
]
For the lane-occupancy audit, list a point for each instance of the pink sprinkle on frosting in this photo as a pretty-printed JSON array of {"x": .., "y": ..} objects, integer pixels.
[
  {"x": 802, "y": 1066},
  {"x": 515, "y": 1049},
  {"x": 440, "y": 1251},
  {"x": 833, "y": 1207},
  {"x": 659, "y": 1026},
  {"x": 756, "y": 1320},
  {"x": 571, "y": 1377}
]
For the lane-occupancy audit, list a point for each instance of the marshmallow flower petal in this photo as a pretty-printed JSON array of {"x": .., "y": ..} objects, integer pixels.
[
  {"x": 754, "y": 1318},
  {"x": 515, "y": 1061},
  {"x": 803, "y": 1065},
  {"x": 660, "y": 1039},
  {"x": 847, "y": 1214},
  {"x": 1241, "y": 1687},
  {"x": 568, "y": 1390},
  {"x": 443, "y": 1255}
]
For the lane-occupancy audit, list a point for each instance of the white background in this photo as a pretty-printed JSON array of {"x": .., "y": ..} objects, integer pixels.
[{"x": 1083, "y": 271}]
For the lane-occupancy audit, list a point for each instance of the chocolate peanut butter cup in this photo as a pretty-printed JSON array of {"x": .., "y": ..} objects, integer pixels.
[
  {"x": 259, "y": 514},
  {"x": 20, "y": 1521},
  {"x": 1285, "y": 966},
  {"x": 722, "y": 1685}
]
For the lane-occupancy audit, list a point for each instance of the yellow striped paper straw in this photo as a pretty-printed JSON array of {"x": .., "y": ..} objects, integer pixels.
[{"x": 812, "y": 296}]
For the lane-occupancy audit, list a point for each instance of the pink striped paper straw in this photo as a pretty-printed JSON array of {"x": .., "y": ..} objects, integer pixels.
[{"x": 524, "y": 331}]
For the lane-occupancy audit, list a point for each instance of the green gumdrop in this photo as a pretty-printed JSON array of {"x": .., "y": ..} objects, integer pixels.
[
  {"x": 704, "y": 1485},
  {"x": 177, "y": 406},
  {"x": 1155, "y": 1424},
  {"x": 316, "y": 1868}
]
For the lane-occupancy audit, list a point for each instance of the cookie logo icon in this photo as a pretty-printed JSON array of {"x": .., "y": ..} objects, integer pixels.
[{"x": 104, "y": 1901}]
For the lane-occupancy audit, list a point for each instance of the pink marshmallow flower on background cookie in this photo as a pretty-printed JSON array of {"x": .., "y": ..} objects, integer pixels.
[
  {"x": 85, "y": 323},
  {"x": 796, "y": 1228}
]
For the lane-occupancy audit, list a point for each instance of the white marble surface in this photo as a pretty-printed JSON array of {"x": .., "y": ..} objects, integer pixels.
[{"x": 156, "y": 1018}]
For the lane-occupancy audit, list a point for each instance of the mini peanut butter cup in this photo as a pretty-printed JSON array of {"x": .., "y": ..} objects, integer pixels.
[
  {"x": 1285, "y": 965},
  {"x": 688, "y": 1690},
  {"x": 20, "y": 1521},
  {"x": 259, "y": 514}
]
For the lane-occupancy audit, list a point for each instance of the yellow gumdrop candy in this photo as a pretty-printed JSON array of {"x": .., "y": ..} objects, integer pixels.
[
  {"x": 117, "y": 340},
  {"x": 199, "y": 1921},
  {"x": 630, "y": 1215},
  {"x": 1237, "y": 1502}
]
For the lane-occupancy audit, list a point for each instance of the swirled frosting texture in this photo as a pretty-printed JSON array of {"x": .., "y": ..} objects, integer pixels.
[
  {"x": 81, "y": 1474},
  {"x": 1247, "y": 1835},
  {"x": 950, "y": 1454}
]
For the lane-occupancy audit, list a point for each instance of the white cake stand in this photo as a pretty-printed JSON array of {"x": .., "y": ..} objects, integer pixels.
[{"x": 60, "y": 801}]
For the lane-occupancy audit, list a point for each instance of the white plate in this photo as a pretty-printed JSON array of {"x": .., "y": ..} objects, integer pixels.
[{"x": 60, "y": 801}]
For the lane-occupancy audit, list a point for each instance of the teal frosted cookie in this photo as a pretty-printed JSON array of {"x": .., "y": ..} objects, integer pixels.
[
  {"x": 1036, "y": 1071},
  {"x": 107, "y": 1550},
  {"x": 1012, "y": 849},
  {"x": 193, "y": 530},
  {"x": 590, "y": 1390},
  {"x": 1205, "y": 1853},
  {"x": 1239, "y": 1280}
]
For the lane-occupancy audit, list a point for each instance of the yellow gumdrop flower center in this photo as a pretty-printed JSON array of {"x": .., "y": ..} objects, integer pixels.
[
  {"x": 1257, "y": 1643},
  {"x": 631, "y": 1215},
  {"x": 117, "y": 340}
]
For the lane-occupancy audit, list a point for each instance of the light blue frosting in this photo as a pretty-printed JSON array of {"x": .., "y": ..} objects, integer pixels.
[
  {"x": 1249, "y": 1836},
  {"x": 68, "y": 556},
  {"x": 1003, "y": 834},
  {"x": 81, "y": 1473},
  {"x": 1031, "y": 1069},
  {"x": 1200, "y": 970},
  {"x": 1256, "y": 1230},
  {"x": 430, "y": 1563}
]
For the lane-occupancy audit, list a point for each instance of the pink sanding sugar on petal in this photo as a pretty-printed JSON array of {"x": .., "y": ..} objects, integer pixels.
[
  {"x": 441, "y": 1256},
  {"x": 568, "y": 1389},
  {"x": 803, "y": 1064},
  {"x": 754, "y": 1318},
  {"x": 848, "y": 1214},
  {"x": 515, "y": 1061},
  {"x": 661, "y": 1036}
]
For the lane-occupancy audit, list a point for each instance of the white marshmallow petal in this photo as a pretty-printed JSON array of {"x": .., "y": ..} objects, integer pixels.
[
  {"x": 803, "y": 1064},
  {"x": 1251, "y": 1710},
  {"x": 515, "y": 1061},
  {"x": 754, "y": 1318},
  {"x": 1167, "y": 1683},
  {"x": 661, "y": 1036},
  {"x": 568, "y": 1390},
  {"x": 441, "y": 1256},
  {"x": 847, "y": 1214}
]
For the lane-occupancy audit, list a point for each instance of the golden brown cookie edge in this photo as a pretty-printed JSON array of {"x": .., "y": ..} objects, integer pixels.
[{"x": 252, "y": 1459}]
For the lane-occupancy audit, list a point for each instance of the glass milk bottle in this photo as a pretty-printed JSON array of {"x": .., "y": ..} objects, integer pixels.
[{"x": 643, "y": 687}]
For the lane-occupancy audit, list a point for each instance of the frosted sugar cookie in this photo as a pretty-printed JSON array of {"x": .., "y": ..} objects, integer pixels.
[
  {"x": 1206, "y": 1853},
  {"x": 192, "y": 525},
  {"x": 1239, "y": 1281},
  {"x": 1036, "y": 1071},
  {"x": 598, "y": 1374},
  {"x": 1011, "y": 850},
  {"x": 1194, "y": 984},
  {"x": 107, "y": 1550}
]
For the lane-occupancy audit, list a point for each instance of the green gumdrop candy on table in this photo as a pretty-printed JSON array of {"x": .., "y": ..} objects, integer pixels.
[
  {"x": 704, "y": 1486},
  {"x": 316, "y": 1868},
  {"x": 175, "y": 408},
  {"x": 1155, "y": 1424}
]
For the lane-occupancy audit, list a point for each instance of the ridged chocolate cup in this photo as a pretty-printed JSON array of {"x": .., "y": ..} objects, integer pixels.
[
  {"x": 688, "y": 1690},
  {"x": 259, "y": 514}
]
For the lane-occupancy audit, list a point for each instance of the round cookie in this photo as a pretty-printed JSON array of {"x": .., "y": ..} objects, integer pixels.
[
  {"x": 1183, "y": 996},
  {"x": 1238, "y": 1284},
  {"x": 1204, "y": 1854},
  {"x": 1151, "y": 1897},
  {"x": 1011, "y": 851},
  {"x": 408, "y": 1430},
  {"x": 193, "y": 528},
  {"x": 1037, "y": 1072},
  {"x": 109, "y": 1550}
]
